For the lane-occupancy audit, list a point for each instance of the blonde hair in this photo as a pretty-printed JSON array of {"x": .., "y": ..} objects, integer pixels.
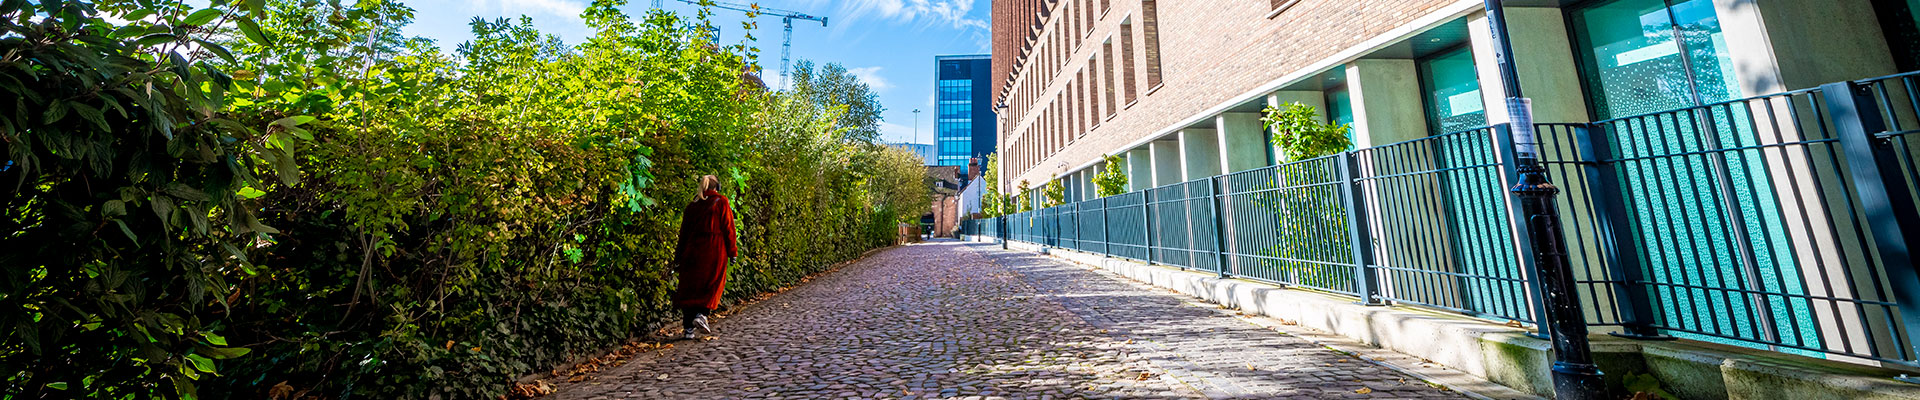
[{"x": 709, "y": 182}]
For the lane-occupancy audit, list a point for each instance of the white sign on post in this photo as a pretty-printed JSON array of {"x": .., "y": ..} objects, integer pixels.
[{"x": 1526, "y": 145}]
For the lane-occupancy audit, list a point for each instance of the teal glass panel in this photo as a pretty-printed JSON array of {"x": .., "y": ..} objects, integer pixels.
[
  {"x": 1707, "y": 220},
  {"x": 1340, "y": 107},
  {"x": 1452, "y": 92}
]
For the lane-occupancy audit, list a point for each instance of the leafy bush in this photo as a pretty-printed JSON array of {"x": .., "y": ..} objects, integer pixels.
[
  {"x": 1112, "y": 179},
  {"x": 281, "y": 198},
  {"x": 1312, "y": 218}
]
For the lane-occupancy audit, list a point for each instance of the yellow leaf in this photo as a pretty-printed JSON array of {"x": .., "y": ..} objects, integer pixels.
[{"x": 1364, "y": 390}]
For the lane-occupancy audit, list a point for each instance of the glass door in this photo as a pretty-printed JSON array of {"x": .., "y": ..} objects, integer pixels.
[
  {"x": 1645, "y": 56},
  {"x": 1707, "y": 222}
]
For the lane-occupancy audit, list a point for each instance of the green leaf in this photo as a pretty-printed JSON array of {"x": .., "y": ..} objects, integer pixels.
[
  {"x": 55, "y": 111},
  {"x": 185, "y": 192},
  {"x": 293, "y": 121},
  {"x": 114, "y": 208},
  {"x": 184, "y": 387},
  {"x": 223, "y": 353},
  {"x": 128, "y": 231},
  {"x": 157, "y": 38},
  {"x": 163, "y": 208},
  {"x": 202, "y": 17},
  {"x": 201, "y": 363},
  {"x": 138, "y": 14},
  {"x": 57, "y": 386},
  {"x": 216, "y": 49},
  {"x": 250, "y": 193},
  {"x": 128, "y": 31},
  {"x": 92, "y": 115},
  {"x": 253, "y": 31},
  {"x": 214, "y": 338}
]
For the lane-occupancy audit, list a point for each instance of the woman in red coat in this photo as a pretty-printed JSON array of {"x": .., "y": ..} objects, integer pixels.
[{"x": 706, "y": 242}]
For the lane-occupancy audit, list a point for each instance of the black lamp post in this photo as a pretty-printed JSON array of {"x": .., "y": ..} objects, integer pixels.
[{"x": 1574, "y": 375}]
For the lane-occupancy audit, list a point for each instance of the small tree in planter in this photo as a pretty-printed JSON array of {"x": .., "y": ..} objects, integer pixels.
[
  {"x": 1111, "y": 180},
  {"x": 1312, "y": 219},
  {"x": 1055, "y": 193}
]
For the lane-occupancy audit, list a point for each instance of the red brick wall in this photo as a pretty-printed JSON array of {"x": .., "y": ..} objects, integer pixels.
[{"x": 1209, "y": 54}]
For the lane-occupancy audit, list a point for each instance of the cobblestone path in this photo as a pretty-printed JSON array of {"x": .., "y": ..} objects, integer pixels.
[{"x": 963, "y": 320}]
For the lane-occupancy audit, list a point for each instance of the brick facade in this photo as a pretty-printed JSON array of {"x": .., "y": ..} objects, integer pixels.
[{"x": 1207, "y": 55}]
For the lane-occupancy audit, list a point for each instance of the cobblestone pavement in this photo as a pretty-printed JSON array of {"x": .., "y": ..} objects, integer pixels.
[{"x": 967, "y": 320}]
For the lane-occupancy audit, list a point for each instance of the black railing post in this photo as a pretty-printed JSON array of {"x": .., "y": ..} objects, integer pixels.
[
  {"x": 1217, "y": 200},
  {"x": 1890, "y": 212},
  {"x": 1615, "y": 230},
  {"x": 1146, "y": 222},
  {"x": 1001, "y": 231},
  {"x": 1365, "y": 284},
  {"x": 1510, "y": 168},
  {"x": 1574, "y": 374}
]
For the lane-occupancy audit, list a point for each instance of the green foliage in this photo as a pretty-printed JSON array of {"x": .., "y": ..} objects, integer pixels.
[
  {"x": 1024, "y": 199},
  {"x": 833, "y": 85},
  {"x": 1312, "y": 218},
  {"x": 127, "y": 221},
  {"x": 269, "y": 195},
  {"x": 993, "y": 202},
  {"x": 1112, "y": 179},
  {"x": 1300, "y": 134},
  {"x": 1055, "y": 192}
]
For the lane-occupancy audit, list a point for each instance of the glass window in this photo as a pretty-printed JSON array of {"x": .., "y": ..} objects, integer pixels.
[
  {"x": 1636, "y": 56},
  {"x": 1340, "y": 106},
  {"x": 1452, "y": 92}
]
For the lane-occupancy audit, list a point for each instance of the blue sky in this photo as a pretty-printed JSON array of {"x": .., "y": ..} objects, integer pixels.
[{"x": 889, "y": 43}]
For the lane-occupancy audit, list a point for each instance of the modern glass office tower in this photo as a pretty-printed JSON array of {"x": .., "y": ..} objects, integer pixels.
[{"x": 964, "y": 123}]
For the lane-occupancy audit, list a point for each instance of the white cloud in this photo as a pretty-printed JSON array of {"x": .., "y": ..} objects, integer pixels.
[
  {"x": 951, "y": 13},
  {"x": 871, "y": 77},
  {"x": 560, "y": 8}
]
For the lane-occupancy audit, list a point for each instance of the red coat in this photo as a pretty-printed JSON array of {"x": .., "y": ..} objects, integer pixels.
[{"x": 706, "y": 242}]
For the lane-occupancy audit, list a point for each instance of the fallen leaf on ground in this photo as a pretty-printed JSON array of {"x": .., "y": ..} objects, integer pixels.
[
  {"x": 1364, "y": 390},
  {"x": 280, "y": 391}
]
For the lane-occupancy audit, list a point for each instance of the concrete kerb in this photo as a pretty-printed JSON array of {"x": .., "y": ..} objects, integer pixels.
[{"x": 1505, "y": 355}]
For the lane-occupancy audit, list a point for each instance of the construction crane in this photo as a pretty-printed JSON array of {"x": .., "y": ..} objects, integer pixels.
[{"x": 786, "y": 18}]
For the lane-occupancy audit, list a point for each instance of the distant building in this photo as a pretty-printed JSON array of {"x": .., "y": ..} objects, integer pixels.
[
  {"x": 943, "y": 218},
  {"x": 924, "y": 150},
  {"x": 964, "y": 120}
]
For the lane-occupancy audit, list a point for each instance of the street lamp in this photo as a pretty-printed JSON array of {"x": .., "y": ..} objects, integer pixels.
[{"x": 1574, "y": 374}]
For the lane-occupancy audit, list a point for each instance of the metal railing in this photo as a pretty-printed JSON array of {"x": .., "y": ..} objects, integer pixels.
[{"x": 1782, "y": 221}]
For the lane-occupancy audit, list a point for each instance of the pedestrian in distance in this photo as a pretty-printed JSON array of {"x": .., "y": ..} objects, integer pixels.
[{"x": 706, "y": 243}]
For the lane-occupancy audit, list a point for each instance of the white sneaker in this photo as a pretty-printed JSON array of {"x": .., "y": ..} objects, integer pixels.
[
  {"x": 701, "y": 322},
  {"x": 688, "y": 336}
]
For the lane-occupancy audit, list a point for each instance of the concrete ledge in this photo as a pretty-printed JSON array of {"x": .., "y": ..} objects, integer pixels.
[{"x": 1505, "y": 355}]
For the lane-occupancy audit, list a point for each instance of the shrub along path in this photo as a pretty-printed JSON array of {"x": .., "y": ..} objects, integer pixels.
[{"x": 951, "y": 319}]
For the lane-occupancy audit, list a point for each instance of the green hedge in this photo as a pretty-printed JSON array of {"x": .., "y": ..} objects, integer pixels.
[{"x": 270, "y": 198}]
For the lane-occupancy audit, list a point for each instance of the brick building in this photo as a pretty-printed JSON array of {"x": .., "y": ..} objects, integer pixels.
[
  {"x": 1175, "y": 89},
  {"x": 945, "y": 183}
]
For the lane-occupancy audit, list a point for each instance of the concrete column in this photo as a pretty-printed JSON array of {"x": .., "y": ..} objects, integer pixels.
[
  {"x": 1087, "y": 189},
  {"x": 1387, "y": 104},
  {"x": 1243, "y": 142},
  {"x": 1781, "y": 45},
  {"x": 1200, "y": 149},
  {"x": 1543, "y": 57},
  {"x": 1139, "y": 169},
  {"x": 1093, "y": 190},
  {"x": 1317, "y": 100},
  {"x": 1167, "y": 165}
]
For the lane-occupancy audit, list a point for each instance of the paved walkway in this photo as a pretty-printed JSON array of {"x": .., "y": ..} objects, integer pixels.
[{"x": 966, "y": 320}]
